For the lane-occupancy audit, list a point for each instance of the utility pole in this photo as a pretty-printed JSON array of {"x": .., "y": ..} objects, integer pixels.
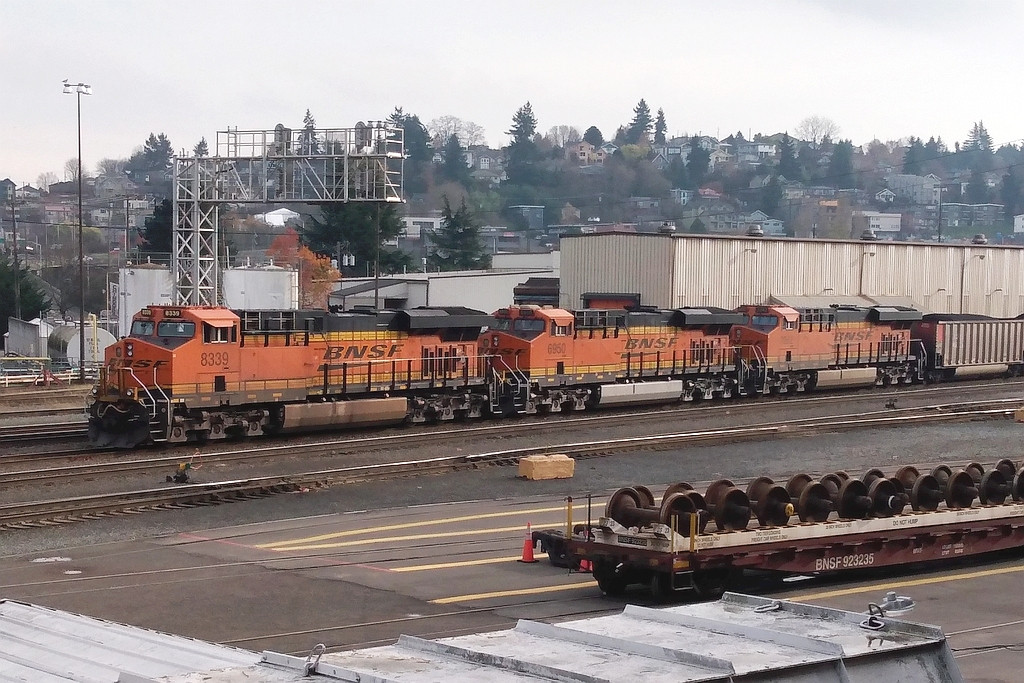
[
  {"x": 376, "y": 264},
  {"x": 17, "y": 268}
]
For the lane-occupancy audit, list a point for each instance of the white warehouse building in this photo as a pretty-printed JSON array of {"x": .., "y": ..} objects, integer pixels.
[{"x": 673, "y": 271}]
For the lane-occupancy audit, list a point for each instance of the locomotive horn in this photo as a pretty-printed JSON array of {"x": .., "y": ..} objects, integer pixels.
[
  {"x": 907, "y": 475},
  {"x": 885, "y": 500},
  {"x": 926, "y": 493},
  {"x": 771, "y": 503},
  {"x": 994, "y": 488},
  {"x": 960, "y": 490},
  {"x": 854, "y": 502},
  {"x": 976, "y": 470},
  {"x": 1008, "y": 468},
  {"x": 729, "y": 506},
  {"x": 624, "y": 506},
  {"x": 646, "y": 497}
]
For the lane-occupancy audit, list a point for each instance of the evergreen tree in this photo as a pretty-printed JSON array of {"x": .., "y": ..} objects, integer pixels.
[
  {"x": 593, "y": 136},
  {"x": 977, "y": 149},
  {"x": 457, "y": 245},
  {"x": 308, "y": 139},
  {"x": 360, "y": 229},
  {"x": 771, "y": 196},
  {"x": 201, "y": 149},
  {"x": 697, "y": 162},
  {"x": 158, "y": 235},
  {"x": 676, "y": 173},
  {"x": 418, "y": 152},
  {"x": 157, "y": 152},
  {"x": 913, "y": 158},
  {"x": 1011, "y": 194},
  {"x": 788, "y": 166},
  {"x": 977, "y": 189},
  {"x": 522, "y": 154},
  {"x": 660, "y": 127},
  {"x": 840, "y": 166},
  {"x": 33, "y": 300},
  {"x": 639, "y": 130},
  {"x": 454, "y": 167}
]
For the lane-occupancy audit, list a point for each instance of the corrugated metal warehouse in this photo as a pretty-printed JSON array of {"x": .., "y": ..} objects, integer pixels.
[{"x": 672, "y": 271}]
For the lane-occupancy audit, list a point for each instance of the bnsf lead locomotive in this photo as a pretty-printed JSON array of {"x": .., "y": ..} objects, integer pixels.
[{"x": 191, "y": 373}]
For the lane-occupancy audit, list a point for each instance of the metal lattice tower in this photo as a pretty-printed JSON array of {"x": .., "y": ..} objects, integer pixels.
[{"x": 280, "y": 166}]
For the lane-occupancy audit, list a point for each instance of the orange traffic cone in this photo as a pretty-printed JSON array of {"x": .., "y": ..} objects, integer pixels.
[{"x": 528, "y": 546}]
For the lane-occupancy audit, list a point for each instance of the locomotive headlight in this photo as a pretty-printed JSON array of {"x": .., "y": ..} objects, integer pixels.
[
  {"x": 494, "y": 340},
  {"x": 129, "y": 393},
  {"x": 129, "y": 348}
]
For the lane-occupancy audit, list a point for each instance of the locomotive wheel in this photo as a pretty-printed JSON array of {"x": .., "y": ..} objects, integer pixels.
[
  {"x": 926, "y": 493},
  {"x": 1017, "y": 490},
  {"x": 680, "y": 506},
  {"x": 814, "y": 504},
  {"x": 907, "y": 475},
  {"x": 732, "y": 513},
  {"x": 701, "y": 507},
  {"x": 716, "y": 490},
  {"x": 758, "y": 487},
  {"x": 832, "y": 483},
  {"x": 646, "y": 497},
  {"x": 976, "y": 470},
  {"x": 1008, "y": 468},
  {"x": 854, "y": 502},
  {"x": 942, "y": 473},
  {"x": 622, "y": 504},
  {"x": 960, "y": 491},
  {"x": 886, "y": 501},
  {"x": 871, "y": 475},
  {"x": 612, "y": 583},
  {"x": 771, "y": 503},
  {"x": 797, "y": 483},
  {"x": 993, "y": 489},
  {"x": 678, "y": 487},
  {"x": 842, "y": 474}
]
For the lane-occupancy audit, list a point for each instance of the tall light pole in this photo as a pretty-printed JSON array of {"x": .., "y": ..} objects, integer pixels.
[{"x": 79, "y": 89}]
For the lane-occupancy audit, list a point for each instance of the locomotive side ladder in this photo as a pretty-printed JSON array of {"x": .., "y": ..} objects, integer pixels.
[
  {"x": 511, "y": 378},
  {"x": 157, "y": 408}
]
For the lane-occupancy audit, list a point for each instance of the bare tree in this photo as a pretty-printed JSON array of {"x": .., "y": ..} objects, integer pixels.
[
  {"x": 444, "y": 127},
  {"x": 111, "y": 167},
  {"x": 563, "y": 135},
  {"x": 46, "y": 179},
  {"x": 71, "y": 170},
  {"x": 816, "y": 128}
]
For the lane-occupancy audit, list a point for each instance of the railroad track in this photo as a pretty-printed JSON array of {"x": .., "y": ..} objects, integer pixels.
[
  {"x": 35, "y": 412},
  {"x": 41, "y": 432},
  {"x": 86, "y": 507}
]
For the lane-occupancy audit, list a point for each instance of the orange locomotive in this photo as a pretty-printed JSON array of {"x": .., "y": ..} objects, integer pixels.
[
  {"x": 194, "y": 372},
  {"x": 839, "y": 346},
  {"x": 550, "y": 358}
]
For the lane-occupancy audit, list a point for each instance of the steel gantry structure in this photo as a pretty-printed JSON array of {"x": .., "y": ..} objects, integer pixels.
[{"x": 280, "y": 166}]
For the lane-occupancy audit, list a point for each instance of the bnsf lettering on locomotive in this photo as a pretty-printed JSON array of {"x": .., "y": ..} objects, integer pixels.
[
  {"x": 852, "y": 336},
  {"x": 656, "y": 343},
  {"x": 370, "y": 351},
  {"x": 136, "y": 363}
]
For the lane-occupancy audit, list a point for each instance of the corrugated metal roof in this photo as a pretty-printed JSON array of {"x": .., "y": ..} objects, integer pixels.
[
  {"x": 738, "y": 638},
  {"x": 43, "y": 645}
]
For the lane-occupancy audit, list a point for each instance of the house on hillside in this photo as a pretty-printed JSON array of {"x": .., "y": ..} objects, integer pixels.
[{"x": 585, "y": 154}]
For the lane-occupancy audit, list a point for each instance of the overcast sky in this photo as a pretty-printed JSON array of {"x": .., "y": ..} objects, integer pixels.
[{"x": 191, "y": 68}]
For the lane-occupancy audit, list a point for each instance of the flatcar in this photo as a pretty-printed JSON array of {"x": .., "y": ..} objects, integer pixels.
[{"x": 191, "y": 373}]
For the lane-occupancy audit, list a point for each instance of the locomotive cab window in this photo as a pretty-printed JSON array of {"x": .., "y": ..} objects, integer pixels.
[
  {"x": 527, "y": 328},
  {"x": 177, "y": 328},
  {"x": 142, "y": 328},
  {"x": 560, "y": 330},
  {"x": 765, "y": 323},
  {"x": 218, "y": 335}
]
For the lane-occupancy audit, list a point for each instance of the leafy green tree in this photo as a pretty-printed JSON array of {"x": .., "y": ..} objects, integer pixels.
[
  {"x": 457, "y": 245},
  {"x": 639, "y": 129},
  {"x": 33, "y": 300},
  {"x": 158, "y": 233},
  {"x": 788, "y": 166},
  {"x": 697, "y": 162},
  {"x": 522, "y": 154},
  {"x": 913, "y": 158},
  {"x": 840, "y": 166},
  {"x": 660, "y": 127},
  {"x": 593, "y": 136},
  {"x": 360, "y": 229},
  {"x": 453, "y": 165}
]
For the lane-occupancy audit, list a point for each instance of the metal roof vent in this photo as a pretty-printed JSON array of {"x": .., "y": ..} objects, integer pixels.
[
  {"x": 869, "y": 235},
  {"x": 979, "y": 239},
  {"x": 755, "y": 230},
  {"x": 666, "y": 228}
]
